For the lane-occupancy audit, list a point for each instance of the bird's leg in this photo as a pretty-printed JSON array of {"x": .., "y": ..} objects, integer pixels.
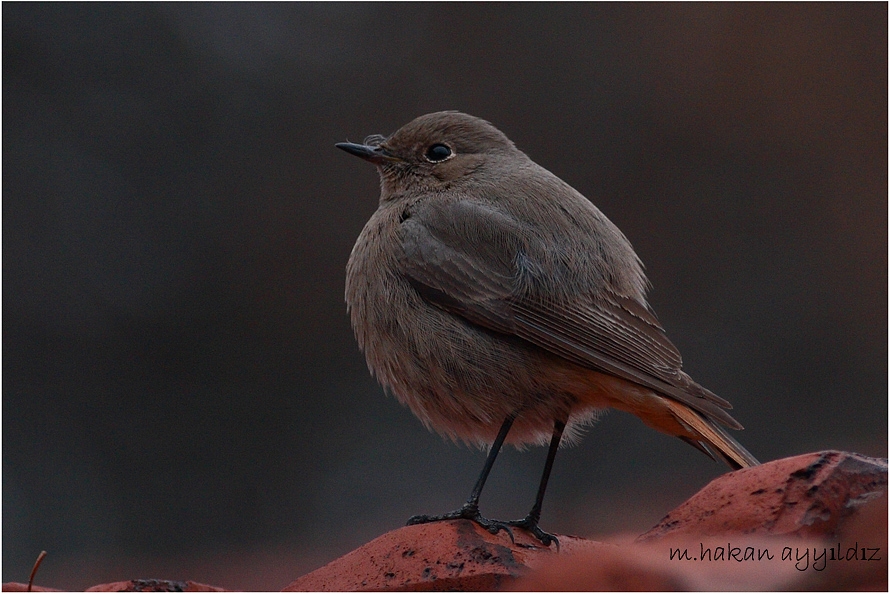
[
  {"x": 530, "y": 522},
  {"x": 470, "y": 509}
]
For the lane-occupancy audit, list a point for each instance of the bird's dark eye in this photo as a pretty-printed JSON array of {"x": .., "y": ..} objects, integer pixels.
[{"x": 438, "y": 152}]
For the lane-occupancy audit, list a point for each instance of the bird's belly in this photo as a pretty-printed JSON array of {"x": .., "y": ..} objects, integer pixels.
[{"x": 463, "y": 381}]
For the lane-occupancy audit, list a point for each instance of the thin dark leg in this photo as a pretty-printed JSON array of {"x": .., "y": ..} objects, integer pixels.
[
  {"x": 489, "y": 461},
  {"x": 530, "y": 522},
  {"x": 470, "y": 509}
]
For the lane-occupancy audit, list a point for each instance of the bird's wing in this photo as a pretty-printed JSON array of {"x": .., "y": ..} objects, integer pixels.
[{"x": 477, "y": 265}]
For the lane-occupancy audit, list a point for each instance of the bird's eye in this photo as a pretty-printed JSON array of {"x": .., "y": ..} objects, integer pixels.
[{"x": 438, "y": 152}]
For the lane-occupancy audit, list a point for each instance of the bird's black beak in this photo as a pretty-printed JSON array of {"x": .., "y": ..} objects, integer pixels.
[{"x": 374, "y": 154}]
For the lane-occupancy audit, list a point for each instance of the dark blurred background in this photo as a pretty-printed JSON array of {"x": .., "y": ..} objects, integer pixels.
[{"x": 182, "y": 394}]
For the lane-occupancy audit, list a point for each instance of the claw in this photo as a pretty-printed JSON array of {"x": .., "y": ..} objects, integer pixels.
[
  {"x": 531, "y": 524},
  {"x": 467, "y": 512},
  {"x": 471, "y": 512},
  {"x": 495, "y": 526}
]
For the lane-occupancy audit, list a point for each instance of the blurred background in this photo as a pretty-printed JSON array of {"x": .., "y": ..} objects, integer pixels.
[{"x": 182, "y": 394}]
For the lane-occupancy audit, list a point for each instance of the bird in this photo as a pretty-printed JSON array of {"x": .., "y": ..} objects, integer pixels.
[{"x": 502, "y": 307}]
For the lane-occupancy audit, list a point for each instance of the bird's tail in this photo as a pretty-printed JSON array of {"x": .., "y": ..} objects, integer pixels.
[{"x": 710, "y": 438}]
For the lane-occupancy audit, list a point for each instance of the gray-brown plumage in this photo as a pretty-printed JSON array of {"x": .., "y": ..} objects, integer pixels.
[{"x": 500, "y": 305}]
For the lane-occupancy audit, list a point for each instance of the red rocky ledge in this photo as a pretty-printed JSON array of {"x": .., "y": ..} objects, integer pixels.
[{"x": 811, "y": 522}]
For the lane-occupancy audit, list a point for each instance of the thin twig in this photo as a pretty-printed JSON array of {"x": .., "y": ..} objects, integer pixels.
[{"x": 34, "y": 569}]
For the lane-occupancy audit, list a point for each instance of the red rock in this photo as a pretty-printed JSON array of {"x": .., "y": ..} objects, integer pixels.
[
  {"x": 731, "y": 563},
  {"x": 808, "y": 495},
  {"x": 866, "y": 534},
  {"x": 762, "y": 528},
  {"x": 20, "y": 587},
  {"x": 452, "y": 555},
  {"x": 154, "y": 586},
  {"x": 128, "y": 586},
  {"x": 808, "y": 505},
  {"x": 607, "y": 569}
]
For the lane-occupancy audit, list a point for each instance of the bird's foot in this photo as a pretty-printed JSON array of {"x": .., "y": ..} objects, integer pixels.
[
  {"x": 530, "y": 523},
  {"x": 468, "y": 512}
]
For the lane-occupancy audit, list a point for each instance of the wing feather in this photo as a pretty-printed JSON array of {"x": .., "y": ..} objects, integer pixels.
[{"x": 595, "y": 328}]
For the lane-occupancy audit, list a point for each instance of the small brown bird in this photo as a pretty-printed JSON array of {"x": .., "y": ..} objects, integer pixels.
[{"x": 501, "y": 306}]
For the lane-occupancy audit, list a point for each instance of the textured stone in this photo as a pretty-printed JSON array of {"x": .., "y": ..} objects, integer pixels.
[
  {"x": 127, "y": 586},
  {"x": 451, "y": 555},
  {"x": 154, "y": 586},
  {"x": 790, "y": 524},
  {"x": 20, "y": 587},
  {"x": 808, "y": 495},
  {"x": 822, "y": 517}
]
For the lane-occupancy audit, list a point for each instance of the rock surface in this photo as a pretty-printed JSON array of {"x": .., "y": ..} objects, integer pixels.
[
  {"x": 811, "y": 522},
  {"x": 809, "y": 495},
  {"x": 452, "y": 555},
  {"x": 759, "y": 528},
  {"x": 127, "y": 586},
  {"x": 20, "y": 587},
  {"x": 154, "y": 586}
]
